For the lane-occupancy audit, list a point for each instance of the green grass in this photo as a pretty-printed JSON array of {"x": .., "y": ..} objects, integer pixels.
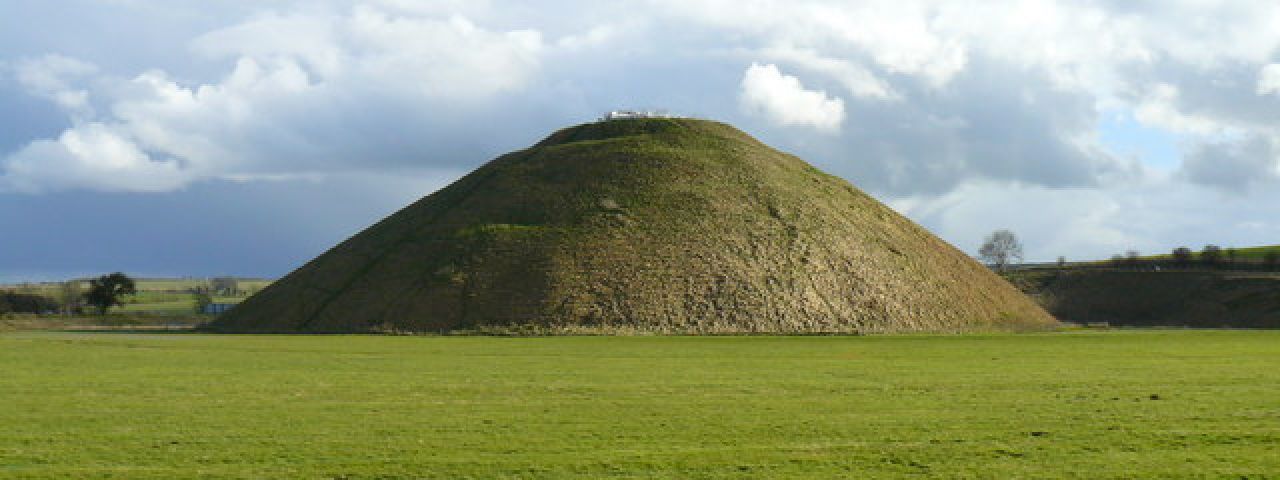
[{"x": 983, "y": 406}]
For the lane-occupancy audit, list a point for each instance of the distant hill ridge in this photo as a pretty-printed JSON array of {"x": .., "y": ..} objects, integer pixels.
[{"x": 641, "y": 225}]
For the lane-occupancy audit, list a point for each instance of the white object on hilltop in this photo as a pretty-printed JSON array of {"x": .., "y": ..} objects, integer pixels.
[{"x": 626, "y": 114}]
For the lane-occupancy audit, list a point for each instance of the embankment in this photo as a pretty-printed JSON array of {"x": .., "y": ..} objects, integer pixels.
[{"x": 1206, "y": 299}]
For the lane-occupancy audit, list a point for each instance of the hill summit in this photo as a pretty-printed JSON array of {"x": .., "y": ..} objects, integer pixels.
[{"x": 641, "y": 225}]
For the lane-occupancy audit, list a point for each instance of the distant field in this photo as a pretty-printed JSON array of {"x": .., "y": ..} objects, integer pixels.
[
  {"x": 1119, "y": 404},
  {"x": 162, "y": 296},
  {"x": 179, "y": 284},
  {"x": 147, "y": 285}
]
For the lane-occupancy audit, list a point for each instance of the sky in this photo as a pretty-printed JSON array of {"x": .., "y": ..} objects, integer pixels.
[{"x": 194, "y": 138}]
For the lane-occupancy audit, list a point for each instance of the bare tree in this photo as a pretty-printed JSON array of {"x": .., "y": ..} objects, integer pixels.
[
  {"x": 70, "y": 296},
  {"x": 1001, "y": 249}
]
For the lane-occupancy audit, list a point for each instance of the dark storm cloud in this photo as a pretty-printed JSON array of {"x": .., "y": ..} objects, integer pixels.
[
  {"x": 1232, "y": 166},
  {"x": 253, "y": 229}
]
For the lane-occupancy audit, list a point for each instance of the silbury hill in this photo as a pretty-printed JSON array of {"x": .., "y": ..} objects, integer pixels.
[{"x": 642, "y": 226}]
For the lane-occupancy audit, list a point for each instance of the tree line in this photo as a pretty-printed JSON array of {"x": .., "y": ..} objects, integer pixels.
[
  {"x": 1002, "y": 250},
  {"x": 104, "y": 292},
  {"x": 1209, "y": 257}
]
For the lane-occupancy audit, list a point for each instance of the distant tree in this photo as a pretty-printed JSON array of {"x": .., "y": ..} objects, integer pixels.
[
  {"x": 1062, "y": 261},
  {"x": 105, "y": 291},
  {"x": 1231, "y": 255},
  {"x": 1270, "y": 260},
  {"x": 1211, "y": 255},
  {"x": 1132, "y": 258},
  {"x": 1001, "y": 249},
  {"x": 17, "y": 302},
  {"x": 1182, "y": 256},
  {"x": 70, "y": 296},
  {"x": 224, "y": 285},
  {"x": 1117, "y": 260}
]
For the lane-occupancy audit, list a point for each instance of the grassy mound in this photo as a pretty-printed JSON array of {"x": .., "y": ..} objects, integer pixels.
[{"x": 649, "y": 225}]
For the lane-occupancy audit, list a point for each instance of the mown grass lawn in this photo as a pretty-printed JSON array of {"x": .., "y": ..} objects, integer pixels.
[{"x": 1121, "y": 404}]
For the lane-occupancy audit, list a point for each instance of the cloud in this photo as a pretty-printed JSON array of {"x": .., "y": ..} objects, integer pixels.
[
  {"x": 52, "y": 77},
  {"x": 902, "y": 37},
  {"x": 435, "y": 57},
  {"x": 1233, "y": 166},
  {"x": 784, "y": 101},
  {"x": 1000, "y": 100},
  {"x": 1160, "y": 108},
  {"x": 90, "y": 154},
  {"x": 858, "y": 80},
  {"x": 946, "y": 93},
  {"x": 1087, "y": 224},
  {"x": 1269, "y": 79},
  {"x": 308, "y": 93}
]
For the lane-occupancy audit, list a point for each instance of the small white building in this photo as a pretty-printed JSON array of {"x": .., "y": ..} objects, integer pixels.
[{"x": 628, "y": 114}]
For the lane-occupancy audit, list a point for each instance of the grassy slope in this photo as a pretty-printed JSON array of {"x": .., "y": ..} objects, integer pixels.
[
  {"x": 1256, "y": 253},
  {"x": 180, "y": 406},
  {"x": 652, "y": 225}
]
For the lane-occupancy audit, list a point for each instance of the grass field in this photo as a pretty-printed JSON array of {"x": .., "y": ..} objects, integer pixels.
[{"x": 1118, "y": 404}]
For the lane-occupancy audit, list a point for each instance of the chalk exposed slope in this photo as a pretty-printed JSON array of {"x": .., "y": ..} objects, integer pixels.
[{"x": 646, "y": 225}]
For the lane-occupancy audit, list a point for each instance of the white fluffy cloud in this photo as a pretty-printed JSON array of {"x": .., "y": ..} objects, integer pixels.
[
  {"x": 323, "y": 89},
  {"x": 1160, "y": 108},
  {"x": 436, "y": 57},
  {"x": 52, "y": 77},
  {"x": 1269, "y": 79},
  {"x": 784, "y": 100},
  {"x": 857, "y": 79},
  {"x": 301, "y": 98},
  {"x": 91, "y": 154}
]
